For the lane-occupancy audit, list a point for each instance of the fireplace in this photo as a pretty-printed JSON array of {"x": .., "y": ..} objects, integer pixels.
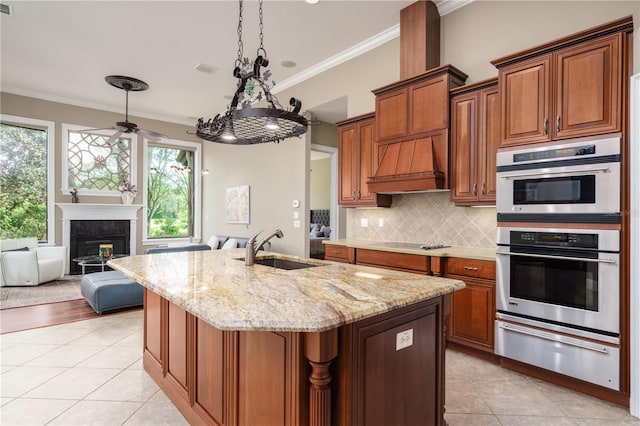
[
  {"x": 87, "y": 235},
  {"x": 95, "y": 224}
]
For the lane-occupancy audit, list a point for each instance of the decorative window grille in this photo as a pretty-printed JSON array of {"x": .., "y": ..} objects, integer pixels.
[{"x": 95, "y": 166}]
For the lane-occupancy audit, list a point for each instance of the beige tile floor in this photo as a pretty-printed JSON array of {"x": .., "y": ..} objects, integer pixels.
[
  {"x": 90, "y": 373},
  {"x": 482, "y": 393}
]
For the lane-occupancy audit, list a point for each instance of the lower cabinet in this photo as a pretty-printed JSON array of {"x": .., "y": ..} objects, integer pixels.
[
  {"x": 342, "y": 254},
  {"x": 472, "y": 309},
  {"x": 388, "y": 369}
]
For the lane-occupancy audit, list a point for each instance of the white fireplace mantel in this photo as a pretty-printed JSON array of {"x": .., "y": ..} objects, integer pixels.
[{"x": 90, "y": 211}]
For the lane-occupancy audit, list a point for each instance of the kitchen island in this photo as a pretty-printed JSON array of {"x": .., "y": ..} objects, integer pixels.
[{"x": 258, "y": 345}]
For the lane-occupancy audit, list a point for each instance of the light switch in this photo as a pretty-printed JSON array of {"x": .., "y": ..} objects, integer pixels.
[
  {"x": 296, "y": 215},
  {"x": 364, "y": 222},
  {"x": 381, "y": 222}
]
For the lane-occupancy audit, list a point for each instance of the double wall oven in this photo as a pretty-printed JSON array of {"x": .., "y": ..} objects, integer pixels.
[{"x": 558, "y": 283}]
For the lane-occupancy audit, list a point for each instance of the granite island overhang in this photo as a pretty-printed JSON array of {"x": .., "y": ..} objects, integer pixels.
[{"x": 235, "y": 344}]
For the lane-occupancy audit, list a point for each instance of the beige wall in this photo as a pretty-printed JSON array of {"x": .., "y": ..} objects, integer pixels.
[
  {"x": 275, "y": 174},
  {"x": 92, "y": 118},
  {"x": 319, "y": 190}
]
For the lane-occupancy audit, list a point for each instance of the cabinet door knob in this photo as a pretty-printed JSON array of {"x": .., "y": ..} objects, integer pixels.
[
  {"x": 471, "y": 268},
  {"x": 484, "y": 188},
  {"x": 558, "y": 124},
  {"x": 546, "y": 125},
  {"x": 475, "y": 189}
]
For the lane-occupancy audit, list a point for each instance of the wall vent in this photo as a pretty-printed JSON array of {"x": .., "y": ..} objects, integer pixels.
[{"x": 5, "y": 9}]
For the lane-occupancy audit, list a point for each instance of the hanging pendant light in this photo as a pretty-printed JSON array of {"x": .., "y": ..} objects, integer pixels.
[{"x": 242, "y": 124}]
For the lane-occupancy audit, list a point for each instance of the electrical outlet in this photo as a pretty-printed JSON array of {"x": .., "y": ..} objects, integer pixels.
[
  {"x": 296, "y": 204},
  {"x": 380, "y": 222},
  {"x": 296, "y": 224},
  {"x": 404, "y": 339},
  {"x": 364, "y": 222}
]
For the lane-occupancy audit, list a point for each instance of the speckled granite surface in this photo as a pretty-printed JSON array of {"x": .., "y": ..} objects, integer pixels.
[
  {"x": 218, "y": 288},
  {"x": 462, "y": 252}
]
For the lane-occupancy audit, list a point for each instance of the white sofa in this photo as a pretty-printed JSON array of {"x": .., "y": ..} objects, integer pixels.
[{"x": 23, "y": 263}]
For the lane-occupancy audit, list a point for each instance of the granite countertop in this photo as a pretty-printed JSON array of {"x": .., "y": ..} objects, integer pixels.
[
  {"x": 462, "y": 252},
  {"x": 218, "y": 288}
]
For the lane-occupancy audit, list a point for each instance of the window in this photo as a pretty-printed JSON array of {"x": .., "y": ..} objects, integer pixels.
[
  {"x": 172, "y": 190},
  {"x": 26, "y": 178},
  {"x": 94, "y": 164}
]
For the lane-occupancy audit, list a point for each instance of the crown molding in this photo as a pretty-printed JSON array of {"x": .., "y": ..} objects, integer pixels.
[
  {"x": 448, "y": 6},
  {"x": 344, "y": 56},
  {"x": 92, "y": 105}
]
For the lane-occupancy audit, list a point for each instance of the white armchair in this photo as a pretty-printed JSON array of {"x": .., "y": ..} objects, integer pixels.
[{"x": 23, "y": 263}]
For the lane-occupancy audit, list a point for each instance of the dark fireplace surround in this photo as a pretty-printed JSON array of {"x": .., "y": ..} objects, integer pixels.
[{"x": 87, "y": 235}]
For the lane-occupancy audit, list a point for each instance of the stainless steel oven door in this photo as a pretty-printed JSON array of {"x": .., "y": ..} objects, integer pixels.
[
  {"x": 561, "y": 286},
  {"x": 588, "y": 189}
]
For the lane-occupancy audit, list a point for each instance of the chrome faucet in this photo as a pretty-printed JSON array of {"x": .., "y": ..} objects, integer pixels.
[{"x": 253, "y": 247}]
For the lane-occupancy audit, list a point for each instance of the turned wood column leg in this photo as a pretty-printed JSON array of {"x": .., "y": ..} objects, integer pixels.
[
  {"x": 320, "y": 394},
  {"x": 320, "y": 349}
]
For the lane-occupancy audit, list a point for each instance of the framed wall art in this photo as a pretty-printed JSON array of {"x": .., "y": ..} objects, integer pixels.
[{"x": 237, "y": 204}]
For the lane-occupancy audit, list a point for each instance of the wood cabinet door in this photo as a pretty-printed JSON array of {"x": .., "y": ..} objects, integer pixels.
[
  {"x": 429, "y": 105},
  {"x": 347, "y": 163},
  {"x": 392, "y": 115},
  {"x": 177, "y": 346},
  {"x": 489, "y": 140},
  {"x": 587, "y": 88},
  {"x": 525, "y": 100},
  {"x": 473, "y": 313},
  {"x": 153, "y": 325},
  {"x": 367, "y": 163},
  {"x": 464, "y": 134}
]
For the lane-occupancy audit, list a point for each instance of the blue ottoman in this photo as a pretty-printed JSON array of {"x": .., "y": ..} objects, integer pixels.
[{"x": 106, "y": 291}]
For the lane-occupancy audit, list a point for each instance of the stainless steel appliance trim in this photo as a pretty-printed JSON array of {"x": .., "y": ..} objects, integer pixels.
[
  {"x": 605, "y": 145},
  {"x": 559, "y": 328},
  {"x": 608, "y": 239},
  {"x": 600, "y": 368},
  {"x": 544, "y": 256},
  {"x": 578, "y": 171},
  {"x": 556, "y": 338}
]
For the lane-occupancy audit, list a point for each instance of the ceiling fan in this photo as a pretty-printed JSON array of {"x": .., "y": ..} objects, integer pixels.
[{"x": 129, "y": 84}]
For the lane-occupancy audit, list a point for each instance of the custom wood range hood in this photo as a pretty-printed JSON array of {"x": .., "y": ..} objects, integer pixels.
[{"x": 411, "y": 146}]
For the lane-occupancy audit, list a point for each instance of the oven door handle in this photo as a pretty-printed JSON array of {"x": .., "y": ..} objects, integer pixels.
[
  {"x": 545, "y": 256},
  {"x": 572, "y": 173},
  {"x": 556, "y": 339}
]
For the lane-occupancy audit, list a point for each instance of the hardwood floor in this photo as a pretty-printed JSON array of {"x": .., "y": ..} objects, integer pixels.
[{"x": 28, "y": 317}]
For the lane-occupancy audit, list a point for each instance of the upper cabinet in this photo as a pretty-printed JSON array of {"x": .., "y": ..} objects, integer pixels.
[
  {"x": 564, "y": 89},
  {"x": 475, "y": 136},
  {"x": 356, "y": 162},
  {"x": 412, "y": 121}
]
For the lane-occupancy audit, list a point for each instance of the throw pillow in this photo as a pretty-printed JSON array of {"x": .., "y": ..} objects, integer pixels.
[
  {"x": 214, "y": 242},
  {"x": 314, "y": 227},
  {"x": 231, "y": 243},
  {"x": 316, "y": 234},
  {"x": 326, "y": 231}
]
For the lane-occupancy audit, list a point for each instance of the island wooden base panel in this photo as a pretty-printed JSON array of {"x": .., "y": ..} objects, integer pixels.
[{"x": 353, "y": 375}]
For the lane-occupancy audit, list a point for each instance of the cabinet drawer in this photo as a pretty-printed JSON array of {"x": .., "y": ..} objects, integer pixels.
[
  {"x": 398, "y": 261},
  {"x": 471, "y": 268},
  {"x": 339, "y": 253}
]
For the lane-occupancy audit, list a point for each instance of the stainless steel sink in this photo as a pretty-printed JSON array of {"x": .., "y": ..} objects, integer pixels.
[{"x": 276, "y": 262}]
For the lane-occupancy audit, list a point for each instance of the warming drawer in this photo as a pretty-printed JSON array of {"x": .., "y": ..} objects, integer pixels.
[{"x": 593, "y": 362}]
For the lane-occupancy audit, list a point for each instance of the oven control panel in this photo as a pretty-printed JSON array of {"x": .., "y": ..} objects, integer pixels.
[{"x": 554, "y": 239}]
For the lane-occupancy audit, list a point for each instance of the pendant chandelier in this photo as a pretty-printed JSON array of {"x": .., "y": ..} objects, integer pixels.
[{"x": 242, "y": 124}]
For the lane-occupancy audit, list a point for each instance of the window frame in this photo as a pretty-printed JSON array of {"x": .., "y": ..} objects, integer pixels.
[
  {"x": 197, "y": 190},
  {"x": 50, "y": 128},
  {"x": 133, "y": 160}
]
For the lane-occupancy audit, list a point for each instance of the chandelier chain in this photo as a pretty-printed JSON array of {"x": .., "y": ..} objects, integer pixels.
[
  {"x": 240, "y": 46},
  {"x": 261, "y": 48}
]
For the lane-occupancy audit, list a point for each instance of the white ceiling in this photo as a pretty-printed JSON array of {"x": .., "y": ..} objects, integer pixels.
[{"x": 62, "y": 50}]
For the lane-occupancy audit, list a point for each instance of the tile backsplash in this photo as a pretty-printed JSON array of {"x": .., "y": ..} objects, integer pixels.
[{"x": 426, "y": 218}]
